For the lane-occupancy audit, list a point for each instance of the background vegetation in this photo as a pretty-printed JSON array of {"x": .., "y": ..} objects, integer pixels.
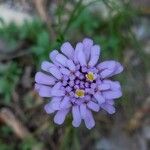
[{"x": 112, "y": 24}]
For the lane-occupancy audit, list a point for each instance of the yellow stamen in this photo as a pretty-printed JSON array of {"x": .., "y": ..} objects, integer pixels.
[
  {"x": 90, "y": 76},
  {"x": 79, "y": 93}
]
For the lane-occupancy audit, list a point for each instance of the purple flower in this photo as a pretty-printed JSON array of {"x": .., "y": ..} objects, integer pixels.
[{"x": 77, "y": 83}]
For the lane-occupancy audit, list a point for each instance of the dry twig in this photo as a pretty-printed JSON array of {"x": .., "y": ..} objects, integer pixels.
[
  {"x": 7, "y": 116},
  {"x": 41, "y": 8},
  {"x": 136, "y": 120}
]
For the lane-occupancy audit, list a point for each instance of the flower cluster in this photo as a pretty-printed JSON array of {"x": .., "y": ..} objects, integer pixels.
[{"x": 77, "y": 83}]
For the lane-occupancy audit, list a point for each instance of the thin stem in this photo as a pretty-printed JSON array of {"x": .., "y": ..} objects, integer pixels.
[
  {"x": 77, "y": 11},
  {"x": 71, "y": 18},
  {"x": 60, "y": 8}
]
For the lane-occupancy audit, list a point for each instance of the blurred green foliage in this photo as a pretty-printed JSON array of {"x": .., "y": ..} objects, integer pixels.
[
  {"x": 30, "y": 144},
  {"x": 5, "y": 133},
  {"x": 33, "y": 32},
  {"x": 9, "y": 77},
  {"x": 70, "y": 140},
  {"x": 111, "y": 33}
]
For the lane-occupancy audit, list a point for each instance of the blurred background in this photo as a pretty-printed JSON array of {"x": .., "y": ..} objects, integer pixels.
[{"x": 30, "y": 29}]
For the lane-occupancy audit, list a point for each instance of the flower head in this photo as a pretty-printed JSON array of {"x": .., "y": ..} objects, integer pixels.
[{"x": 76, "y": 82}]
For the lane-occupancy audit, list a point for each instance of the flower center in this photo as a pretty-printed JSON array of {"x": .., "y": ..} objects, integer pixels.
[
  {"x": 90, "y": 76},
  {"x": 79, "y": 93}
]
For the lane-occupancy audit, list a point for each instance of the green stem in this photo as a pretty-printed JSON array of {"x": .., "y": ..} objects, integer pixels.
[
  {"x": 71, "y": 18},
  {"x": 76, "y": 12}
]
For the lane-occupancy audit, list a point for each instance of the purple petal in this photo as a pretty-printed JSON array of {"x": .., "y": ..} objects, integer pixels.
[
  {"x": 55, "y": 72},
  {"x": 112, "y": 94},
  {"x": 109, "y": 64},
  {"x": 55, "y": 103},
  {"x": 104, "y": 86},
  {"x": 42, "y": 78},
  {"x": 119, "y": 68},
  {"x": 71, "y": 83},
  {"x": 37, "y": 87},
  {"x": 46, "y": 65},
  {"x": 109, "y": 68},
  {"x": 76, "y": 116},
  {"x": 61, "y": 59},
  {"x": 87, "y": 43},
  {"x": 71, "y": 65},
  {"x": 79, "y": 47},
  {"x": 83, "y": 110},
  {"x": 53, "y": 55},
  {"x": 57, "y": 92},
  {"x": 114, "y": 85},
  {"x": 95, "y": 53},
  {"x": 44, "y": 91},
  {"x": 89, "y": 120},
  {"x": 68, "y": 50},
  {"x": 64, "y": 83},
  {"x": 68, "y": 89},
  {"x": 65, "y": 71},
  {"x": 106, "y": 73},
  {"x": 65, "y": 103},
  {"x": 57, "y": 86},
  {"x": 100, "y": 99},
  {"x": 109, "y": 108},
  {"x": 81, "y": 56},
  {"x": 48, "y": 108},
  {"x": 110, "y": 101},
  {"x": 93, "y": 106},
  {"x": 60, "y": 116}
]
